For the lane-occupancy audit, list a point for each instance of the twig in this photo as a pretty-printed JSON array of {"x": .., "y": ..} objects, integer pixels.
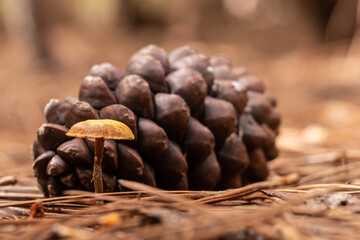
[
  {"x": 7, "y": 180},
  {"x": 235, "y": 193}
]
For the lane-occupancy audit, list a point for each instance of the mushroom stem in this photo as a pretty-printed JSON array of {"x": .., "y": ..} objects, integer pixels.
[{"x": 97, "y": 173}]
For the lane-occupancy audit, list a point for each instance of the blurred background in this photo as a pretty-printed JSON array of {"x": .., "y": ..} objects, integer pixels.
[{"x": 306, "y": 51}]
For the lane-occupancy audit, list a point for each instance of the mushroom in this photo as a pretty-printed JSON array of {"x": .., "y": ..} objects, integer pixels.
[{"x": 100, "y": 129}]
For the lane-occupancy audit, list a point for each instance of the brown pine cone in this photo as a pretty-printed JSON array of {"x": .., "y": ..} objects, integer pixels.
[{"x": 198, "y": 123}]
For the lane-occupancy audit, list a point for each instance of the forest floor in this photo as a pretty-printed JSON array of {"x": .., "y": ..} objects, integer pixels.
[{"x": 313, "y": 188}]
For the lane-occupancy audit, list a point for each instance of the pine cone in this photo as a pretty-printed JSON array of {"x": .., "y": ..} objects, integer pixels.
[{"x": 198, "y": 123}]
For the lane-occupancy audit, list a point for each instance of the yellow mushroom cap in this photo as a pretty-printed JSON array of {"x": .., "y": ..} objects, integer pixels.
[{"x": 101, "y": 128}]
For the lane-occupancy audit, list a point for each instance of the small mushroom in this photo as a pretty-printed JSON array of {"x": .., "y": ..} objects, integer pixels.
[{"x": 100, "y": 130}]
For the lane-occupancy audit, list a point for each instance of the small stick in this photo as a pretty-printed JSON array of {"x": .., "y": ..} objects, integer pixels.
[
  {"x": 19, "y": 196},
  {"x": 234, "y": 193},
  {"x": 7, "y": 180},
  {"x": 329, "y": 172},
  {"x": 27, "y": 189},
  {"x": 157, "y": 192}
]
